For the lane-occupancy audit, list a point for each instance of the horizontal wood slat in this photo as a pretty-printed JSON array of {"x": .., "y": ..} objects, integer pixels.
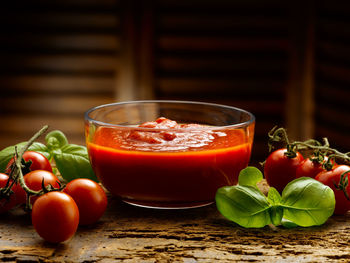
[
  {"x": 220, "y": 43},
  {"x": 55, "y": 21},
  {"x": 22, "y": 128},
  {"x": 224, "y": 64},
  {"x": 58, "y": 59},
  {"x": 53, "y": 84},
  {"x": 82, "y": 42},
  {"x": 75, "y": 63},
  {"x": 222, "y": 22},
  {"x": 332, "y": 113},
  {"x": 228, "y": 52},
  {"x": 57, "y": 105},
  {"x": 221, "y": 5}
]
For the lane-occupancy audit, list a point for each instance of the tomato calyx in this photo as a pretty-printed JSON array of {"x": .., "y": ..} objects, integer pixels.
[
  {"x": 50, "y": 187},
  {"x": 291, "y": 151},
  {"x": 343, "y": 183},
  {"x": 6, "y": 192},
  {"x": 25, "y": 166}
]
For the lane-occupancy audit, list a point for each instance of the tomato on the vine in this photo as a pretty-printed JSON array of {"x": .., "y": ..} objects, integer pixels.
[
  {"x": 34, "y": 179},
  {"x": 310, "y": 168},
  {"x": 38, "y": 161},
  {"x": 55, "y": 216},
  {"x": 6, "y": 204},
  {"x": 89, "y": 197},
  {"x": 338, "y": 179},
  {"x": 280, "y": 169}
]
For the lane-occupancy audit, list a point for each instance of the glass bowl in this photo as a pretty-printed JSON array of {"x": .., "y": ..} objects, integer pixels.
[{"x": 156, "y": 162}]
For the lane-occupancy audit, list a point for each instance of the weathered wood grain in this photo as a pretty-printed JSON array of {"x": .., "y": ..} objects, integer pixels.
[{"x": 132, "y": 234}]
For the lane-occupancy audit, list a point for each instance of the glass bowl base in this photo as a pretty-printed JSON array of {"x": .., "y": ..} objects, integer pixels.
[{"x": 167, "y": 205}]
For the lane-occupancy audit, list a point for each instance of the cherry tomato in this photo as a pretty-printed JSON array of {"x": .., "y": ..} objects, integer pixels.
[
  {"x": 6, "y": 204},
  {"x": 332, "y": 178},
  {"x": 279, "y": 169},
  {"x": 90, "y": 199},
  {"x": 34, "y": 179},
  {"x": 55, "y": 216},
  {"x": 39, "y": 161},
  {"x": 309, "y": 168},
  {"x": 19, "y": 193}
]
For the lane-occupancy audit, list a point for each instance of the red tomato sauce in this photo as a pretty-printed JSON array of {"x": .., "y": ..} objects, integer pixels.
[{"x": 182, "y": 164}]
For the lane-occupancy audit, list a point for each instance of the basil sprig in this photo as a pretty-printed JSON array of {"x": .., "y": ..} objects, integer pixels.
[
  {"x": 71, "y": 160},
  {"x": 304, "y": 202}
]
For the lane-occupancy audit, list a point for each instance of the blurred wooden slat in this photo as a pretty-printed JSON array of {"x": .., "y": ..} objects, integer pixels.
[
  {"x": 85, "y": 42},
  {"x": 57, "y": 4},
  {"x": 53, "y": 84},
  {"x": 59, "y": 21},
  {"x": 219, "y": 4},
  {"x": 223, "y": 22},
  {"x": 59, "y": 58},
  {"x": 334, "y": 50},
  {"x": 22, "y": 127},
  {"x": 55, "y": 105},
  {"x": 215, "y": 87},
  {"x": 60, "y": 63},
  {"x": 338, "y": 72},
  {"x": 220, "y": 43},
  {"x": 228, "y": 52},
  {"x": 333, "y": 73},
  {"x": 223, "y": 64}
]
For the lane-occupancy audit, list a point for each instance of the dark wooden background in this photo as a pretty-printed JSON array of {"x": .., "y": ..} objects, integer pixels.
[{"x": 286, "y": 62}]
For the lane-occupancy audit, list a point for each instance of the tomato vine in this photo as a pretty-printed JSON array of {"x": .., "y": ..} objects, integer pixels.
[
  {"x": 16, "y": 174},
  {"x": 278, "y": 138}
]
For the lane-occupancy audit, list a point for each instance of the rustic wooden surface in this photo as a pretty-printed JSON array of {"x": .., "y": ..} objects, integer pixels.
[{"x": 132, "y": 234}]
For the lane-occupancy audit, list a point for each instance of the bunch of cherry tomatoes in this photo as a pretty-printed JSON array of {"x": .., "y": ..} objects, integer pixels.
[
  {"x": 55, "y": 214},
  {"x": 281, "y": 168}
]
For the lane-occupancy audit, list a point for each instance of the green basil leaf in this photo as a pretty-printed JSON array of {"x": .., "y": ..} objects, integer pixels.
[
  {"x": 288, "y": 224},
  {"x": 276, "y": 211},
  {"x": 244, "y": 205},
  {"x": 55, "y": 140},
  {"x": 276, "y": 214},
  {"x": 307, "y": 202},
  {"x": 274, "y": 196},
  {"x": 7, "y": 153},
  {"x": 250, "y": 176},
  {"x": 73, "y": 162}
]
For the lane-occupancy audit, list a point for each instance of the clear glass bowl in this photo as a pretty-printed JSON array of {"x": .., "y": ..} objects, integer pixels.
[{"x": 173, "y": 165}]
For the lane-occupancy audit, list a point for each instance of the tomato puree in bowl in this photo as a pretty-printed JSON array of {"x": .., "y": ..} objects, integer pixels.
[{"x": 164, "y": 163}]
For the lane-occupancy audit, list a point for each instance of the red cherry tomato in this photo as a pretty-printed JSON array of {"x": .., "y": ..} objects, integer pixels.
[
  {"x": 55, "y": 216},
  {"x": 332, "y": 178},
  {"x": 19, "y": 193},
  {"x": 39, "y": 161},
  {"x": 309, "y": 168},
  {"x": 90, "y": 199},
  {"x": 34, "y": 180},
  {"x": 279, "y": 169},
  {"x": 6, "y": 204}
]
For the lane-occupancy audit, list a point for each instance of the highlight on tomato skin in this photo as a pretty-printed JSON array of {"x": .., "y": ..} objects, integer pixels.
[
  {"x": 336, "y": 179},
  {"x": 280, "y": 169},
  {"x": 55, "y": 216},
  {"x": 309, "y": 168},
  {"x": 90, "y": 199},
  {"x": 39, "y": 161}
]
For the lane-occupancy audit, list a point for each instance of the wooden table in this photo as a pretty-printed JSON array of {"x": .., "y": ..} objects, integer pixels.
[{"x": 132, "y": 234}]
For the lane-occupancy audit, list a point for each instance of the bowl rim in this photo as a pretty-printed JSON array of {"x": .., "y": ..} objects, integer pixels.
[{"x": 237, "y": 125}]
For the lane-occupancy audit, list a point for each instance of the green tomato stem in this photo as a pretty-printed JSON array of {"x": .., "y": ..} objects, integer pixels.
[{"x": 18, "y": 161}]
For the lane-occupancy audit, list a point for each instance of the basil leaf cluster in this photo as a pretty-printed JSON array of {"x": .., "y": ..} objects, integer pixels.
[
  {"x": 304, "y": 202},
  {"x": 71, "y": 160}
]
